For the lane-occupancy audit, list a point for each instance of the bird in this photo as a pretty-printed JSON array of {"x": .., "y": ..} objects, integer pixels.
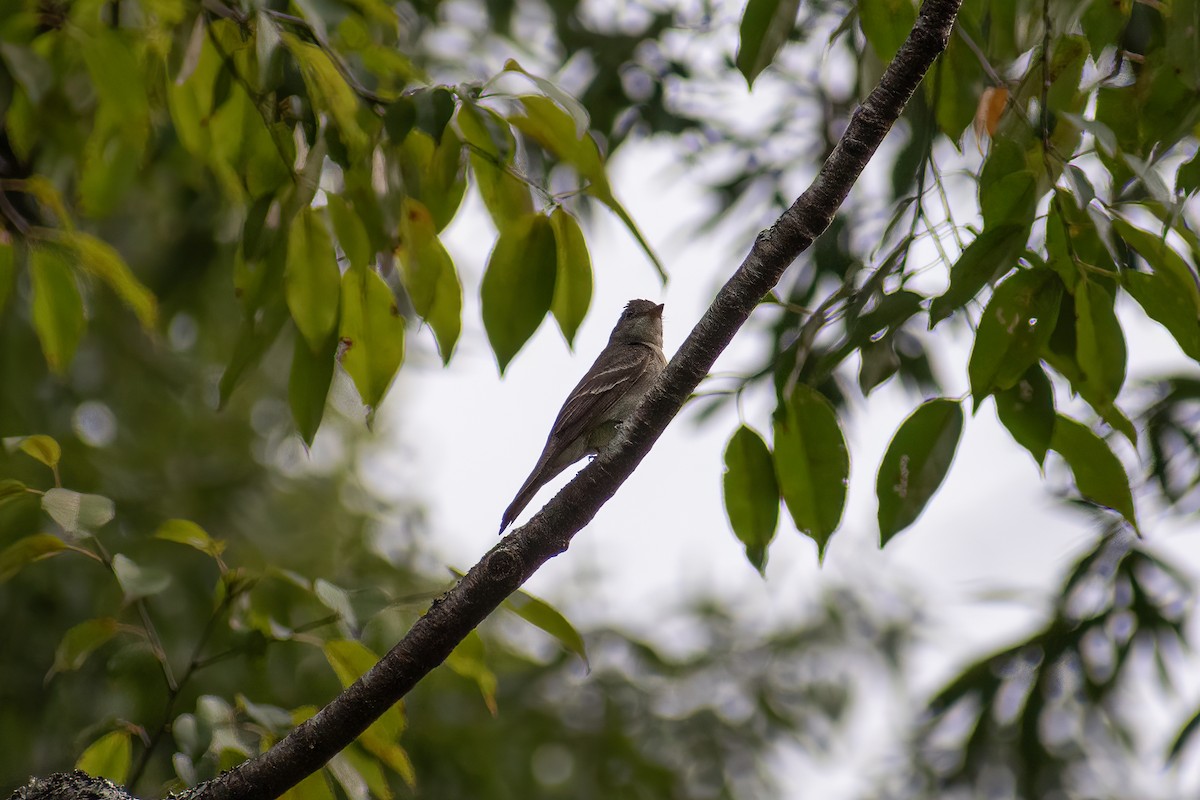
[{"x": 602, "y": 400}]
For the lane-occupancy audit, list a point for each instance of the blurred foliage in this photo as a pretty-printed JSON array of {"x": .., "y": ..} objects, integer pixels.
[
  {"x": 1054, "y": 715},
  {"x": 221, "y": 229}
]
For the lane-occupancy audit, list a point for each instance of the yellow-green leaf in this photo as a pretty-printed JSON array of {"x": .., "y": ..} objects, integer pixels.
[
  {"x": 351, "y": 233},
  {"x": 430, "y": 277},
  {"x": 57, "y": 306},
  {"x": 26, "y": 551},
  {"x": 552, "y": 128},
  {"x": 329, "y": 92},
  {"x": 110, "y": 757},
  {"x": 434, "y": 173},
  {"x": 308, "y": 385},
  {"x": 562, "y": 99},
  {"x": 467, "y": 661},
  {"x": 349, "y": 660},
  {"x": 518, "y": 286},
  {"x": 372, "y": 334},
  {"x": 102, "y": 260},
  {"x": 78, "y": 643},
  {"x": 184, "y": 531},
  {"x": 311, "y": 280},
  {"x": 43, "y": 448},
  {"x": 540, "y": 614},
  {"x": 573, "y": 279}
]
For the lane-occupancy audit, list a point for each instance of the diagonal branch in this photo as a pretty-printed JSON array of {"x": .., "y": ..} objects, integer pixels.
[{"x": 507, "y": 565}]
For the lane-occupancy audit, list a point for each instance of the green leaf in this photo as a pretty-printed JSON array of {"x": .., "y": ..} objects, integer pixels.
[
  {"x": 506, "y": 196},
  {"x": 563, "y": 100},
  {"x": 11, "y": 489},
  {"x": 1026, "y": 409},
  {"x": 78, "y": 643},
  {"x": 811, "y": 464},
  {"x": 1187, "y": 180},
  {"x": 1163, "y": 303},
  {"x": 1098, "y": 473},
  {"x": 308, "y": 385},
  {"x": 138, "y": 581},
  {"x": 8, "y": 272},
  {"x": 1185, "y": 735},
  {"x": 518, "y": 287},
  {"x": 573, "y": 279},
  {"x": 467, "y": 660},
  {"x": 370, "y": 771},
  {"x": 886, "y": 24},
  {"x": 100, "y": 259},
  {"x": 542, "y": 615},
  {"x": 487, "y": 133},
  {"x": 991, "y": 254},
  {"x": 433, "y": 107},
  {"x": 351, "y": 233},
  {"x": 110, "y": 167},
  {"x": 311, "y": 279},
  {"x": 329, "y": 92},
  {"x": 349, "y": 660},
  {"x": 258, "y": 331},
  {"x": 115, "y": 73},
  {"x": 41, "y": 447},
  {"x": 433, "y": 173},
  {"x": 57, "y": 306},
  {"x": 336, "y": 600},
  {"x": 1100, "y": 344},
  {"x": 371, "y": 333},
  {"x": 1012, "y": 200},
  {"x": 1015, "y": 326},
  {"x": 110, "y": 757},
  {"x": 751, "y": 494},
  {"x": 551, "y": 127},
  {"x": 26, "y": 551},
  {"x": 492, "y": 148},
  {"x": 766, "y": 25},
  {"x": 1162, "y": 259},
  {"x": 430, "y": 277},
  {"x": 184, "y": 531},
  {"x": 1060, "y": 353},
  {"x": 77, "y": 512},
  {"x": 916, "y": 463}
]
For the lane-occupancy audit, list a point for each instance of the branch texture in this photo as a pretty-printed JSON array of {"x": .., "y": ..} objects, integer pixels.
[{"x": 507, "y": 565}]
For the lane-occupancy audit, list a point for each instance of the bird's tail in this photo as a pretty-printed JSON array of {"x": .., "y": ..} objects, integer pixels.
[{"x": 542, "y": 473}]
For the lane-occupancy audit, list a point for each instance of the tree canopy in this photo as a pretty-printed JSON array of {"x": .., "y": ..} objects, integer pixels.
[{"x": 222, "y": 243}]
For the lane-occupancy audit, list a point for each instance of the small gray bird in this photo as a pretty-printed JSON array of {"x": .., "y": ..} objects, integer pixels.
[{"x": 607, "y": 395}]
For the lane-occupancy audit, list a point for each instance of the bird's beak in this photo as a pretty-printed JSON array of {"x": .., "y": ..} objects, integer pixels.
[{"x": 657, "y": 312}]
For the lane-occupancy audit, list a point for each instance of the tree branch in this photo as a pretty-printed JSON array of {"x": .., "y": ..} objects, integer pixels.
[{"x": 507, "y": 565}]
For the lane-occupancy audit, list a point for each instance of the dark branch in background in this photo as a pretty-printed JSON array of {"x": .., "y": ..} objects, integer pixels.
[{"x": 455, "y": 614}]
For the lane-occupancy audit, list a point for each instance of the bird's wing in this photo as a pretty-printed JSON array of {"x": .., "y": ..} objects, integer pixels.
[{"x": 615, "y": 371}]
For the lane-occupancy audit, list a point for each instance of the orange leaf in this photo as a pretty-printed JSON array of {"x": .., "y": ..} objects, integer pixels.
[{"x": 988, "y": 112}]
